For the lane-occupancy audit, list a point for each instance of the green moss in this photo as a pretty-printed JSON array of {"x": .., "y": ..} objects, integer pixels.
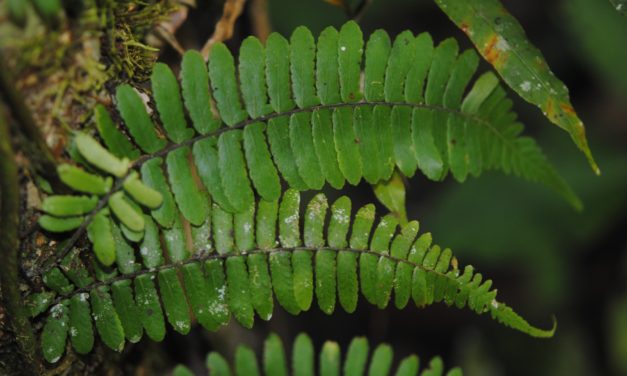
[{"x": 64, "y": 72}]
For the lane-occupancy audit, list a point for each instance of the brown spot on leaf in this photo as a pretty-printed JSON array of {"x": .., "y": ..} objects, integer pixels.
[
  {"x": 567, "y": 108},
  {"x": 494, "y": 51},
  {"x": 490, "y": 53}
]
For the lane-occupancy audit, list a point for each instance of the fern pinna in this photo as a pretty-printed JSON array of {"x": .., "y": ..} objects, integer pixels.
[
  {"x": 356, "y": 362},
  {"x": 300, "y": 114}
]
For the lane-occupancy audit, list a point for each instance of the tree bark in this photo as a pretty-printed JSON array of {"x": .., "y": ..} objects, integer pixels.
[{"x": 17, "y": 314}]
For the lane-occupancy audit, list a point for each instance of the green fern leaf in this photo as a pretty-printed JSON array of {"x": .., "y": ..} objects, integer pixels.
[
  {"x": 267, "y": 248},
  {"x": 55, "y": 333},
  {"x": 329, "y": 362},
  {"x": 302, "y": 117}
]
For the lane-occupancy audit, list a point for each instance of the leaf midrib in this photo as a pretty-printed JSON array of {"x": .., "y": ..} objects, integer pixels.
[
  {"x": 264, "y": 118},
  {"x": 267, "y": 251}
]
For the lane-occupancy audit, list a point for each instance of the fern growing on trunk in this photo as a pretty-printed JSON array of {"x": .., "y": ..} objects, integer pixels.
[{"x": 206, "y": 206}]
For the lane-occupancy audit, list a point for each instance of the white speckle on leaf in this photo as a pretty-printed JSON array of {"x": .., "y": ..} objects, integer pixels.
[
  {"x": 341, "y": 216},
  {"x": 343, "y": 48},
  {"x": 222, "y": 292},
  {"x": 501, "y": 44},
  {"x": 57, "y": 311},
  {"x": 525, "y": 86},
  {"x": 291, "y": 219},
  {"x": 495, "y": 304}
]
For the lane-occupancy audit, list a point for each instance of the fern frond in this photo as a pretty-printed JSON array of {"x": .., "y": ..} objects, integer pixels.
[
  {"x": 356, "y": 362},
  {"x": 234, "y": 264},
  {"x": 302, "y": 112}
]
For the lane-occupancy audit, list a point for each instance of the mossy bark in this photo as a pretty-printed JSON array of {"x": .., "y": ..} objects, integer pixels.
[{"x": 17, "y": 314}]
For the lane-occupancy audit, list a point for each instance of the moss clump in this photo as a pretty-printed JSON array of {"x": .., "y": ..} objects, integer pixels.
[{"x": 63, "y": 72}]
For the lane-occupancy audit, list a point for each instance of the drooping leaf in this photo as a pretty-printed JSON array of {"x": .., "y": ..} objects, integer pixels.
[{"x": 501, "y": 40}]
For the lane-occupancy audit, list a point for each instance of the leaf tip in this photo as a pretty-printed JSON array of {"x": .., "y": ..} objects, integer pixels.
[
  {"x": 545, "y": 333},
  {"x": 583, "y": 146}
]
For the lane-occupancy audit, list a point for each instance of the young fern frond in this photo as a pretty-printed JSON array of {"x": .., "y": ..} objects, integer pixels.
[
  {"x": 307, "y": 113},
  {"x": 234, "y": 264},
  {"x": 356, "y": 362}
]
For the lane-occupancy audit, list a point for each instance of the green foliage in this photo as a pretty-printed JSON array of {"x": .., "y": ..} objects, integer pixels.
[
  {"x": 264, "y": 251},
  {"x": 305, "y": 118},
  {"x": 204, "y": 203},
  {"x": 502, "y": 42},
  {"x": 329, "y": 363},
  {"x": 65, "y": 213}
]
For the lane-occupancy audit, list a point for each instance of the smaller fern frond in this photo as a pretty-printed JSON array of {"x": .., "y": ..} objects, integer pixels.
[
  {"x": 92, "y": 211},
  {"x": 356, "y": 362},
  {"x": 235, "y": 264}
]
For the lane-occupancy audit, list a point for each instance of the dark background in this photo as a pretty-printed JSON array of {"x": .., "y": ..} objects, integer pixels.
[{"x": 544, "y": 257}]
